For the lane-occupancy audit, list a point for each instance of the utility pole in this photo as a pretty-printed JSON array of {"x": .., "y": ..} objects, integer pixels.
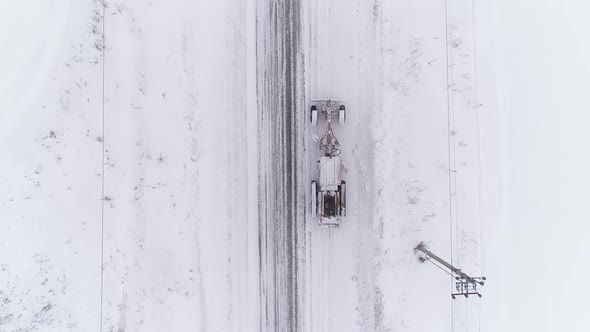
[{"x": 465, "y": 285}]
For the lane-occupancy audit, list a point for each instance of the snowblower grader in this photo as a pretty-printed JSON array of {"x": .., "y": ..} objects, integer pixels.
[{"x": 328, "y": 192}]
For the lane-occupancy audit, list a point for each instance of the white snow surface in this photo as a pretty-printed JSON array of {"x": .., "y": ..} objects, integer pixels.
[
  {"x": 126, "y": 142},
  {"x": 406, "y": 72},
  {"x": 156, "y": 160}
]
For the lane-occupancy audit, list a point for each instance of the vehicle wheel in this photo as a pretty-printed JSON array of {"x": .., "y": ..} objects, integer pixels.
[
  {"x": 342, "y": 115},
  {"x": 314, "y": 199},
  {"x": 343, "y": 199},
  {"x": 313, "y": 116}
]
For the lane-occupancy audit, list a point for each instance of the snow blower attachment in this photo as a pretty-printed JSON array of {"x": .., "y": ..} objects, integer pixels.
[{"x": 328, "y": 193}]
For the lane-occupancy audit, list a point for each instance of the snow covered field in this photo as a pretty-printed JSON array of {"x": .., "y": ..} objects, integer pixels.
[
  {"x": 127, "y": 148},
  {"x": 157, "y": 157}
]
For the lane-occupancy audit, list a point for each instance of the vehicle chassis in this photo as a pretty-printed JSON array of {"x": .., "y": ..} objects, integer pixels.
[{"x": 328, "y": 192}]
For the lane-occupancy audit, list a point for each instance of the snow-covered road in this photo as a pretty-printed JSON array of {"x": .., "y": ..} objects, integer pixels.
[
  {"x": 282, "y": 203},
  {"x": 158, "y": 156}
]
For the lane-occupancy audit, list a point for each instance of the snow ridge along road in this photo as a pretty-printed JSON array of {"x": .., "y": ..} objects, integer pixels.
[{"x": 175, "y": 149}]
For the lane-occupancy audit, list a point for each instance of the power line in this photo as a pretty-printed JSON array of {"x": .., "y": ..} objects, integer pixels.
[
  {"x": 478, "y": 139},
  {"x": 449, "y": 151},
  {"x": 440, "y": 267},
  {"x": 102, "y": 166}
]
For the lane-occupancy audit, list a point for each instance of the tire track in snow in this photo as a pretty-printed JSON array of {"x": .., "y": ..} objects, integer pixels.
[{"x": 280, "y": 203}]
